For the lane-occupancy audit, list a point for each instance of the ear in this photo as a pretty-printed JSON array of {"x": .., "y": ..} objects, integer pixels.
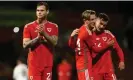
[
  {"x": 86, "y": 21},
  {"x": 47, "y": 11}
]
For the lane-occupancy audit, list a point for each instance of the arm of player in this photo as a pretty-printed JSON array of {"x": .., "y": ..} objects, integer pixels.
[
  {"x": 51, "y": 39},
  {"x": 120, "y": 54},
  {"x": 80, "y": 45},
  {"x": 119, "y": 51},
  {"x": 96, "y": 47},
  {"x": 116, "y": 47},
  {"x": 27, "y": 42},
  {"x": 72, "y": 41}
]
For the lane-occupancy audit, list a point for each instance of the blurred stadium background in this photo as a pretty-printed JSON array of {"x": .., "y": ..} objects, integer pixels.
[{"x": 68, "y": 17}]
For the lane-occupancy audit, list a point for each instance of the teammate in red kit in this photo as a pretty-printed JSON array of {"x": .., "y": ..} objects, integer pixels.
[
  {"x": 83, "y": 58},
  {"x": 85, "y": 43},
  {"x": 103, "y": 67},
  {"x": 40, "y": 36},
  {"x": 64, "y": 70}
]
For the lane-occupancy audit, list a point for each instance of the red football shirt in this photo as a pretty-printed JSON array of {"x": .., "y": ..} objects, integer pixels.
[
  {"x": 104, "y": 64},
  {"x": 83, "y": 57},
  {"x": 64, "y": 71},
  {"x": 82, "y": 46},
  {"x": 42, "y": 53}
]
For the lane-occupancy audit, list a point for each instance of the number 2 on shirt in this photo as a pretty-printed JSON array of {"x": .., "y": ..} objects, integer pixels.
[{"x": 98, "y": 44}]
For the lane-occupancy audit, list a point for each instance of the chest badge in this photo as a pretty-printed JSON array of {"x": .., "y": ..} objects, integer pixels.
[
  {"x": 104, "y": 38},
  {"x": 49, "y": 29}
]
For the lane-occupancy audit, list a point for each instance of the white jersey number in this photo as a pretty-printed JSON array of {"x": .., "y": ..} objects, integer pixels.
[
  {"x": 48, "y": 76},
  {"x": 78, "y": 45},
  {"x": 98, "y": 44}
]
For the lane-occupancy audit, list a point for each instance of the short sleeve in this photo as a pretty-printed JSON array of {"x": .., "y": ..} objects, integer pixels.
[
  {"x": 26, "y": 33},
  {"x": 55, "y": 30}
]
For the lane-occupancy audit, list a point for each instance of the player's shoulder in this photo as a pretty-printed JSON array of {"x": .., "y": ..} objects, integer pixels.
[
  {"x": 52, "y": 24},
  {"x": 82, "y": 28},
  {"x": 109, "y": 32},
  {"x": 82, "y": 32},
  {"x": 29, "y": 24}
]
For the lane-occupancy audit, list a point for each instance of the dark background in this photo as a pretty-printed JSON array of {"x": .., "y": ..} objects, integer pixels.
[{"x": 67, "y": 14}]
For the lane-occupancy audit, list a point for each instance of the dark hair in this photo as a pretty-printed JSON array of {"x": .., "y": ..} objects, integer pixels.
[
  {"x": 44, "y": 4},
  {"x": 86, "y": 14},
  {"x": 22, "y": 59},
  {"x": 103, "y": 16}
]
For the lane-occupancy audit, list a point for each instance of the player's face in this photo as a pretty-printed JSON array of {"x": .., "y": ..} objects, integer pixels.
[
  {"x": 100, "y": 24},
  {"x": 92, "y": 21},
  {"x": 41, "y": 12}
]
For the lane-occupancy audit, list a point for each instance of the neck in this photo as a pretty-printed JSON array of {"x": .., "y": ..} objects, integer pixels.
[
  {"x": 99, "y": 32},
  {"x": 86, "y": 25},
  {"x": 40, "y": 21}
]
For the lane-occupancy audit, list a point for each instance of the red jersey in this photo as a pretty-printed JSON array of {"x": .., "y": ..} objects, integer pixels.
[
  {"x": 104, "y": 64},
  {"x": 64, "y": 71},
  {"x": 83, "y": 57},
  {"x": 42, "y": 53},
  {"x": 85, "y": 42}
]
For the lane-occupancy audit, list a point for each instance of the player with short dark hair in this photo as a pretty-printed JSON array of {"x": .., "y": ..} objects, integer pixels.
[
  {"x": 85, "y": 43},
  {"x": 40, "y": 36},
  {"x": 102, "y": 62}
]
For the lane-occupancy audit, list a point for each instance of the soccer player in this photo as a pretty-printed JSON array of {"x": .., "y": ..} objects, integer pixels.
[
  {"x": 40, "y": 36},
  {"x": 84, "y": 43},
  {"x": 103, "y": 67},
  {"x": 20, "y": 70},
  {"x": 64, "y": 70},
  {"x": 82, "y": 57}
]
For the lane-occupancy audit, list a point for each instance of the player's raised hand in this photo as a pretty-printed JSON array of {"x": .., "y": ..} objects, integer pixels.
[
  {"x": 121, "y": 65},
  {"x": 75, "y": 32},
  {"x": 40, "y": 29},
  {"x": 110, "y": 43}
]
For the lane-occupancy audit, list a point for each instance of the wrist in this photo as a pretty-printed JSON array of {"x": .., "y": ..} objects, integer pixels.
[
  {"x": 38, "y": 38},
  {"x": 72, "y": 37}
]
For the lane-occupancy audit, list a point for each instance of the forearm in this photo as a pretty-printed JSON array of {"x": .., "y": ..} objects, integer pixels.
[
  {"x": 119, "y": 53},
  {"x": 71, "y": 42},
  {"x": 96, "y": 47},
  {"x": 30, "y": 43},
  {"x": 121, "y": 57},
  {"x": 51, "y": 39}
]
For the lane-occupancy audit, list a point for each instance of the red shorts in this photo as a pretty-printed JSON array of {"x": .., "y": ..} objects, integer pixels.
[
  {"x": 104, "y": 76},
  {"x": 35, "y": 73},
  {"x": 83, "y": 67},
  {"x": 83, "y": 75}
]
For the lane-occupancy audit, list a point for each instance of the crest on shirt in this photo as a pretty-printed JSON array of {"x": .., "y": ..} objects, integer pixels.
[
  {"x": 104, "y": 38},
  {"x": 49, "y": 29},
  {"x": 31, "y": 77}
]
